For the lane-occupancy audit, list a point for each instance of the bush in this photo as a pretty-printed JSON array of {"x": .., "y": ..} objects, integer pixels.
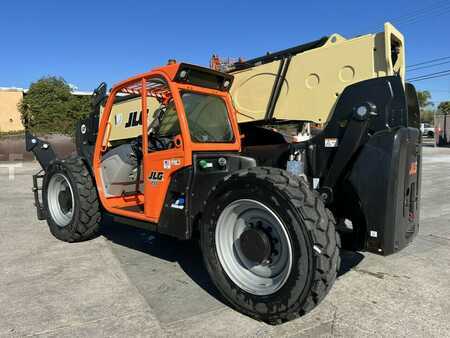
[{"x": 50, "y": 107}]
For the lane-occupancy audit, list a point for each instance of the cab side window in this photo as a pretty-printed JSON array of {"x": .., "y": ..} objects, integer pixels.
[
  {"x": 207, "y": 117},
  {"x": 169, "y": 125}
]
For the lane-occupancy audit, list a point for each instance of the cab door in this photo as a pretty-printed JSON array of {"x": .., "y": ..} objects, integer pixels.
[{"x": 164, "y": 153}]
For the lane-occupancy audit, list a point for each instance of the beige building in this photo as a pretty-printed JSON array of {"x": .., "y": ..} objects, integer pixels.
[
  {"x": 9, "y": 114},
  {"x": 10, "y": 119}
]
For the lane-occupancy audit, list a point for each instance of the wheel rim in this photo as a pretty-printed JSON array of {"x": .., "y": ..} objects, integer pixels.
[
  {"x": 254, "y": 277},
  {"x": 60, "y": 200}
]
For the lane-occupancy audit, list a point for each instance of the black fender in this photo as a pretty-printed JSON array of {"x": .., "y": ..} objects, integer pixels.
[
  {"x": 386, "y": 177},
  {"x": 190, "y": 187}
]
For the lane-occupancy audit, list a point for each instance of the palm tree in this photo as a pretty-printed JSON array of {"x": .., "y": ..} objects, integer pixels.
[{"x": 424, "y": 99}]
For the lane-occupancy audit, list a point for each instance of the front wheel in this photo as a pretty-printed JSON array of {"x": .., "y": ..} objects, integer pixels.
[
  {"x": 269, "y": 244},
  {"x": 71, "y": 201}
]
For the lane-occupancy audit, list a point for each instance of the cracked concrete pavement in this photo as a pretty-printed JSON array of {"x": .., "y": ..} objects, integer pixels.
[{"x": 129, "y": 282}]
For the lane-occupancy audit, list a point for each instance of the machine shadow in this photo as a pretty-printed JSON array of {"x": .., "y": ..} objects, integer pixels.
[{"x": 186, "y": 253}]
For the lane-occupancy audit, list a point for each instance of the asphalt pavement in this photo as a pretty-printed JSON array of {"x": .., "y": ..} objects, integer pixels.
[{"x": 129, "y": 282}]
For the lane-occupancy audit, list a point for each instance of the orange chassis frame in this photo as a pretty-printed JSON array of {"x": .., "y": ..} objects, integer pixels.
[{"x": 154, "y": 194}]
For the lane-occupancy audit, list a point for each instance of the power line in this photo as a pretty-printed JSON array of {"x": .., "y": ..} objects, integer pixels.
[
  {"x": 428, "y": 62},
  {"x": 430, "y": 74},
  {"x": 428, "y": 66},
  {"x": 435, "y": 9},
  {"x": 435, "y": 12},
  {"x": 428, "y": 10},
  {"x": 429, "y": 77},
  {"x": 439, "y": 14},
  {"x": 417, "y": 11}
]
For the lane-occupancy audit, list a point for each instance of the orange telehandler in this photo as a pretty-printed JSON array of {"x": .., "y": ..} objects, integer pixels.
[{"x": 185, "y": 150}]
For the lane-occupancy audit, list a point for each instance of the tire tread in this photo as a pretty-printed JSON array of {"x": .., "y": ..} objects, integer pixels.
[
  {"x": 320, "y": 225},
  {"x": 86, "y": 226}
]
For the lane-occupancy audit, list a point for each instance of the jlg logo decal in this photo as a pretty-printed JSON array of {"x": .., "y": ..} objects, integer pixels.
[
  {"x": 134, "y": 119},
  {"x": 156, "y": 177}
]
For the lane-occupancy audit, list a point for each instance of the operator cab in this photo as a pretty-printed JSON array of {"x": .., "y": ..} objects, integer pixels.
[{"x": 179, "y": 109}]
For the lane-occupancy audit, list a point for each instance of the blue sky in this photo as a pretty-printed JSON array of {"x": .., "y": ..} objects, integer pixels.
[{"x": 91, "y": 41}]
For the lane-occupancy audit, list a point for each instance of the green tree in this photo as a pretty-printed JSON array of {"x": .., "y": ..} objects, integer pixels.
[
  {"x": 50, "y": 107},
  {"x": 424, "y": 98},
  {"x": 444, "y": 108}
]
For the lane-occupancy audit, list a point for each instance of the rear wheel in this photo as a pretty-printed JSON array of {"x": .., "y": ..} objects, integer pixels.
[
  {"x": 71, "y": 201},
  {"x": 269, "y": 244}
]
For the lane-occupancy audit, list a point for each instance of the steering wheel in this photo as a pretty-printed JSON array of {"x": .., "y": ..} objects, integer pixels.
[
  {"x": 154, "y": 144},
  {"x": 157, "y": 142}
]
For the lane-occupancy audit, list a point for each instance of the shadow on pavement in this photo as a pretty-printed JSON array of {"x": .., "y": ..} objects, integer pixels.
[{"x": 186, "y": 253}]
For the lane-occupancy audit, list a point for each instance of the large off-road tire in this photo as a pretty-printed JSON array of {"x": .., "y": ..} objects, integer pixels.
[
  {"x": 71, "y": 201},
  {"x": 269, "y": 244}
]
